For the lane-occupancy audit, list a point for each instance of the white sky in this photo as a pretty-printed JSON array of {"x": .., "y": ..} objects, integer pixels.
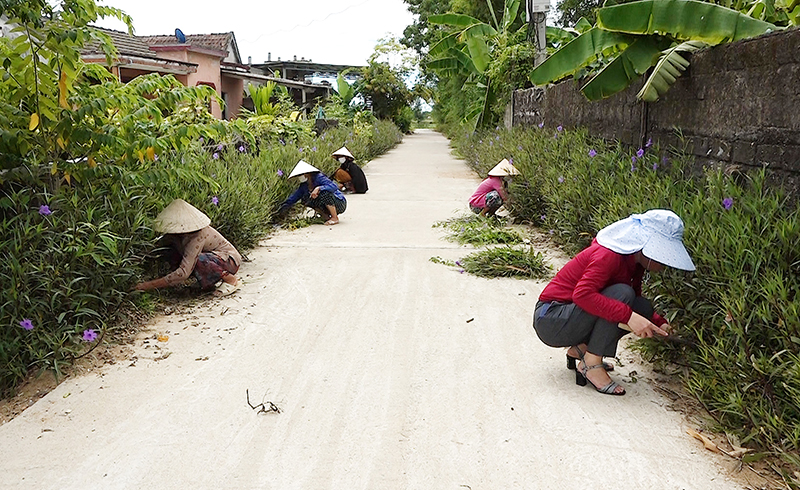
[{"x": 325, "y": 31}]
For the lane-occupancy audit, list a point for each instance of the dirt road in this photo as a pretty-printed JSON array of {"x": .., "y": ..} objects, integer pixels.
[{"x": 390, "y": 372}]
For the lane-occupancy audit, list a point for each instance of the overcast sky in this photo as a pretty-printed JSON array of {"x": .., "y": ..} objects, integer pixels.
[{"x": 325, "y": 31}]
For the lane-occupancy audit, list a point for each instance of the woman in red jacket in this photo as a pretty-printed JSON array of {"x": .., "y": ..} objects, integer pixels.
[{"x": 596, "y": 298}]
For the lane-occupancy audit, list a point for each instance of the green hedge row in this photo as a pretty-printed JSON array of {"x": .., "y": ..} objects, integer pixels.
[
  {"x": 70, "y": 256},
  {"x": 738, "y": 314}
]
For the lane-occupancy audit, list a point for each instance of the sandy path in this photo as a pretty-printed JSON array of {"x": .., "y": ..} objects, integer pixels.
[{"x": 366, "y": 348}]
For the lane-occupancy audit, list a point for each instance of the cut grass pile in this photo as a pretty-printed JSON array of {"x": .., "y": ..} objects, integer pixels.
[{"x": 478, "y": 231}]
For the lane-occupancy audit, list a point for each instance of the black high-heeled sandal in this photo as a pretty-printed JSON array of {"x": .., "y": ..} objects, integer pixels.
[
  {"x": 609, "y": 389},
  {"x": 572, "y": 361}
]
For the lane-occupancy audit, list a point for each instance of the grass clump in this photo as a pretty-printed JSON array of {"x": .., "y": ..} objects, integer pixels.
[
  {"x": 478, "y": 231},
  {"x": 521, "y": 263}
]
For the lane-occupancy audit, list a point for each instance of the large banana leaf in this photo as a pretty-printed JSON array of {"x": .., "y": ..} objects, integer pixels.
[
  {"x": 667, "y": 70},
  {"x": 478, "y": 49},
  {"x": 444, "y": 44},
  {"x": 510, "y": 13},
  {"x": 576, "y": 54},
  {"x": 557, "y": 36},
  {"x": 683, "y": 19},
  {"x": 627, "y": 67}
]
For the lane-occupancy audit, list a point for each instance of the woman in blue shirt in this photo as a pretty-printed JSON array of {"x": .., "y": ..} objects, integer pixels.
[{"x": 317, "y": 192}]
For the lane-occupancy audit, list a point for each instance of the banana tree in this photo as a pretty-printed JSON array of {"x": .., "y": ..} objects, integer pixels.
[
  {"x": 344, "y": 89},
  {"x": 467, "y": 51},
  {"x": 631, "y": 38},
  {"x": 261, "y": 96}
]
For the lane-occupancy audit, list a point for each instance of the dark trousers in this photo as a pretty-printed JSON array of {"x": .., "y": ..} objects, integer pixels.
[{"x": 565, "y": 324}]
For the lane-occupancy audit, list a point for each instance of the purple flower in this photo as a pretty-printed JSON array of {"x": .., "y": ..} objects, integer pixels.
[
  {"x": 497, "y": 138},
  {"x": 561, "y": 179},
  {"x": 314, "y": 148},
  {"x": 633, "y": 159},
  {"x": 44, "y": 210},
  {"x": 592, "y": 153},
  {"x": 283, "y": 143},
  {"x": 664, "y": 160},
  {"x": 26, "y": 323},
  {"x": 727, "y": 202},
  {"x": 89, "y": 335},
  {"x": 541, "y": 125},
  {"x": 633, "y": 168},
  {"x": 458, "y": 263},
  {"x": 649, "y": 143},
  {"x": 511, "y": 160},
  {"x": 241, "y": 149},
  {"x": 552, "y": 231},
  {"x": 216, "y": 156},
  {"x": 220, "y": 147},
  {"x": 202, "y": 140},
  {"x": 655, "y": 166},
  {"x": 155, "y": 157},
  {"x": 640, "y": 153},
  {"x": 280, "y": 173},
  {"x": 543, "y": 217},
  {"x": 300, "y": 149},
  {"x": 215, "y": 201},
  {"x": 519, "y": 147},
  {"x": 560, "y": 128},
  {"x": 461, "y": 271}
]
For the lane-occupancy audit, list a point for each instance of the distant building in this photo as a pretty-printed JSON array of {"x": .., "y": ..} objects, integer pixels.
[{"x": 202, "y": 59}]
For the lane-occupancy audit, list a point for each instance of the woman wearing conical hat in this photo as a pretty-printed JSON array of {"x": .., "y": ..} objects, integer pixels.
[
  {"x": 349, "y": 175},
  {"x": 317, "y": 192},
  {"x": 196, "y": 249},
  {"x": 493, "y": 191}
]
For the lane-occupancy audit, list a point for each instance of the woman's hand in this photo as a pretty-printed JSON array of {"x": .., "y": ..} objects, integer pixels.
[
  {"x": 315, "y": 193},
  {"x": 643, "y": 327}
]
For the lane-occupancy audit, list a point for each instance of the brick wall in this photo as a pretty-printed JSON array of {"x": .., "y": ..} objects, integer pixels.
[{"x": 738, "y": 106}]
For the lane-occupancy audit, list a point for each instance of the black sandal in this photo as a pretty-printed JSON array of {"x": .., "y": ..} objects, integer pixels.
[{"x": 572, "y": 361}]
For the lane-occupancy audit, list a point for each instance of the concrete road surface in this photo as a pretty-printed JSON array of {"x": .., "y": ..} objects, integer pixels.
[{"x": 390, "y": 372}]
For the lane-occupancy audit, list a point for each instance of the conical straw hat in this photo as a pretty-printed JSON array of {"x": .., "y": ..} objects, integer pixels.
[
  {"x": 343, "y": 152},
  {"x": 503, "y": 169},
  {"x": 180, "y": 217},
  {"x": 302, "y": 168}
]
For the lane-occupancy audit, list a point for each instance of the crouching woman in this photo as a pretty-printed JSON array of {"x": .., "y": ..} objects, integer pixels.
[
  {"x": 195, "y": 248},
  {"x": 596, "y": 298},
  {"x": 317, "y": 192}
]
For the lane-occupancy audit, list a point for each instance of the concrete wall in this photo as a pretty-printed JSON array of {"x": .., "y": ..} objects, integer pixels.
[{"x": 738, "y": 106}]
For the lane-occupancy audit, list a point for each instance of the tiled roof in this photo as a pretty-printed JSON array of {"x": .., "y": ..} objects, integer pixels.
[
  {"x": 220, "y": 42},
  {"x": 125, "y": 43}
]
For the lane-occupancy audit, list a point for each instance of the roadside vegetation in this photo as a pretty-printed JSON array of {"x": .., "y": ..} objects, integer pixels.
[
  {"x": 738, "y": 316},
  {"x": 86, "y": 163},
  {"x": 510, "y": 259},
  {"x": 736, "y": 319}
]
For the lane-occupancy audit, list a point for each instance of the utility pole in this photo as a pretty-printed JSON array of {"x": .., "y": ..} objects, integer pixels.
[{"x": 536, "y": 15}]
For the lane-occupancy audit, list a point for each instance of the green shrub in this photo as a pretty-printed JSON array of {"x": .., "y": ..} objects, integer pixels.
[
  {"x": 737, "y": 314},
  {"x": 72, "y": 270}
]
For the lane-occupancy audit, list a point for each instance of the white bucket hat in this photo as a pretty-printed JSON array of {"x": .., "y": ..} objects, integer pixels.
[
  {"x": 658, "y": 233},
  {"x": 302, "y": 168},
  {"x": 504, "y": 168},
  {"x": 180, "y": 217},
  {"x": 343, "y": 152}
]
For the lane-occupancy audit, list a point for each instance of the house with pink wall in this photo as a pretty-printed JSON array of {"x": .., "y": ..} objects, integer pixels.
[{"x": 198, "y": 59}]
